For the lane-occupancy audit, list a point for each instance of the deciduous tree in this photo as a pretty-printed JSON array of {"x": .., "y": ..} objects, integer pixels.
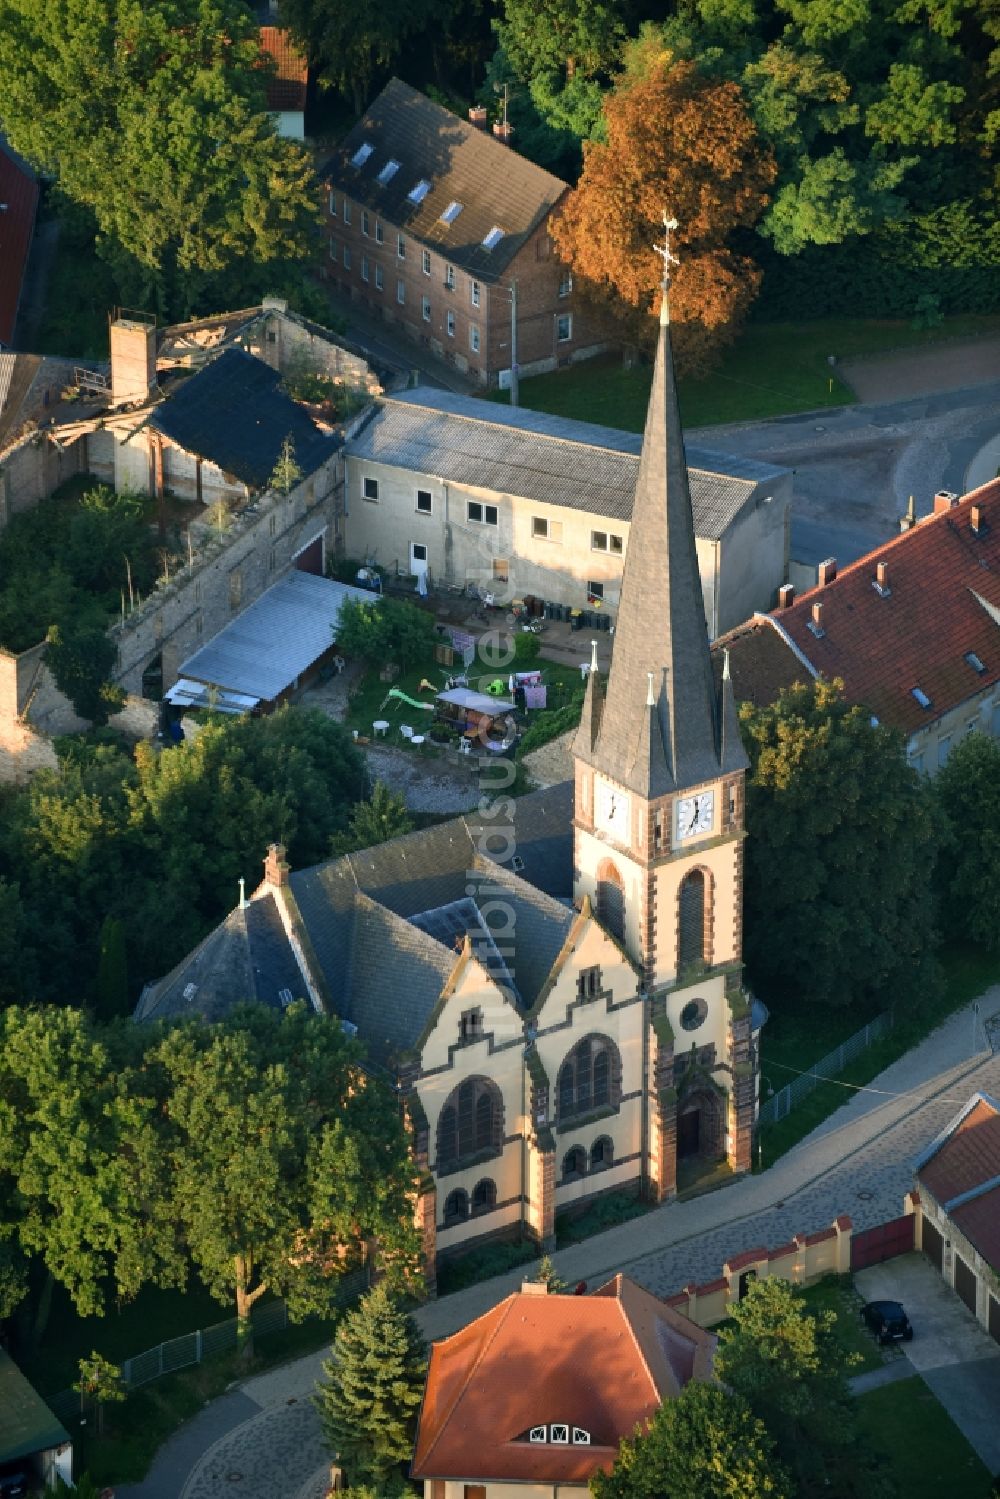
[
  {"x": 967, "y": 790},
  {"x": 369, "y": 1400},
  {"x": 679, "y": 142},
  {"x": 840, "y": 852},
  {"x": 706, "y": 1444},
  {"x": 381, "y": 817}
]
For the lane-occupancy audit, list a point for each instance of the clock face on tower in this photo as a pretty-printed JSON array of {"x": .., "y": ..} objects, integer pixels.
[
  {"x": 694, "y": 816},
  {"x": 612, "y": 810}
]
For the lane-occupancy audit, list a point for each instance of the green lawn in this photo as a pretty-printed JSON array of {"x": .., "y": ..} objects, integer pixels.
[
  {"x": 968, "y": 972},
  {"x": 835, "y": 1293},
  {"x": 926, "y": 1453},
  {"x": 773, "y": 369}
]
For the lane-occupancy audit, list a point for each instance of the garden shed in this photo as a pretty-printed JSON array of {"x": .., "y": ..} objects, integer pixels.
[{"x": 30, "y": 1435}]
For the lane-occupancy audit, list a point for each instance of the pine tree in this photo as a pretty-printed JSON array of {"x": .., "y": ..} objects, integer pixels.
[{"x": 374, "y": 1383}]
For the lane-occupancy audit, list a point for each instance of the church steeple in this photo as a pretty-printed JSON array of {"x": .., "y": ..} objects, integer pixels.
[{"x": 662, "y": 725}]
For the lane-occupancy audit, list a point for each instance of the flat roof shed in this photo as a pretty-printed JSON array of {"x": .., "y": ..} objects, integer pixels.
[{"x": 274, "y": 642}]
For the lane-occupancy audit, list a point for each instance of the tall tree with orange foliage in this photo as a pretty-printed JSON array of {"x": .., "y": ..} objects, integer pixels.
[{"x": 680, "y": 142}]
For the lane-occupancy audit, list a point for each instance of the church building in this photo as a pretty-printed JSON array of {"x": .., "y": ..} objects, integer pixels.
[{"x": 557, "y": 990}]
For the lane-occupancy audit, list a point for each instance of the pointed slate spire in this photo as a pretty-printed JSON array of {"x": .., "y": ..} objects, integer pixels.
[{"x": 661, "y": 725}]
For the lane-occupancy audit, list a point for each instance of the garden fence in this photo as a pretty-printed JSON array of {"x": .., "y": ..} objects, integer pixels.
[
  {"x": 784, "y": 1101},
  {"x": 191, "y": 1347}
]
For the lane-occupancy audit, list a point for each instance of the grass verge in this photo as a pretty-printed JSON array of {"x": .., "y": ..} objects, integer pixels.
[
  {"x": 924, "y": 1450},
  {"x": 836, "y": 1293},
  {"x": 967, "y": 973},
  {"x": 772, "y": 370}
]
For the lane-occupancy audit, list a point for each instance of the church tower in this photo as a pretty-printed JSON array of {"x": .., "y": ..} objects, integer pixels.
[{"x": 659, "y": 770}]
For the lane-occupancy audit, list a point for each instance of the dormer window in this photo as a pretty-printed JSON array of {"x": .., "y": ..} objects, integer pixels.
[
  {"x": 418, "y": 193},
  {"x": 452, "y": 212},
  {"x": 559, "y": 1432},
  {"x": 493, "y": 238},
  {"x": 389, "y": 171},
  {"x": 362, "y": 154}
]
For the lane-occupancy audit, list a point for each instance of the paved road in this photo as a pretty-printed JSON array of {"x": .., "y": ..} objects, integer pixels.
[
  {"x": 856, "y": 466},
  {"x": 858, "y": 1162}
]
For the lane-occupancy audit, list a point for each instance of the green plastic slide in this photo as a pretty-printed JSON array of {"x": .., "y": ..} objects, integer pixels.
[{"x": 410, "y": 701}]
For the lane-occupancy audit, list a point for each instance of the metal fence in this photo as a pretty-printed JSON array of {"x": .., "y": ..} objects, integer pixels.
[
  {"x": 191, "y": 1347},
  {"x": 783, "y": 1102}
]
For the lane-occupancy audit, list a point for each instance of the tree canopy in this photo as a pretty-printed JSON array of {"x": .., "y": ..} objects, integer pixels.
[
  {"x": 706, "y": 1444},
  {"x": 674, "y": 140},
  {"x": 967, "y": 792},
  {"x": 153, "y": 116},
  {"x": 841, "y": 842},
  {"x": 385, "y": 630}
]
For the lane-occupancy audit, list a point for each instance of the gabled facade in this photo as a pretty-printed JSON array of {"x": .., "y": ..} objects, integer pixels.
[
  {"x": 555, "y": 985},
  {"x": 429, "y": 220}
]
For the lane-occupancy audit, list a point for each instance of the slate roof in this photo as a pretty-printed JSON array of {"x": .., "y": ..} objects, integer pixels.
[
  {"x": 27, "y": 1425},
  {"x": 601, "y": 1363},
  {"x": 234, "y": 413},
  {"x": 535, "y": 924},
  {"x": 450, "y": 925},
  {"x": 397, "y": 974},
  {"x": 19, "y": 194},
  {"x": 246, "y": 959},
  {"x": 661, "y": 723},
  {"x": 962, "y": 1170},
  {"x": 553, "y": 459},
  {"x": 276, "y": 639},
  {"x": 761, "y": 661},
  {"x": 496, "y": 186},
  {"x": 286, "y": 90}
]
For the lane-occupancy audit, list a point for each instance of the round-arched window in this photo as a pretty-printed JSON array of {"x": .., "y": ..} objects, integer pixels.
[
  {"x": 694, "y": 1014},
  {"x": 456, "y": 1208},
  {"x": 602, "y": 1153},
  {"x": 484, "y": 1197},
  {"x": 471, "y": 1121},
  {"x": 574, "y": 1163},
  {"x": 589, "y": 1078}
]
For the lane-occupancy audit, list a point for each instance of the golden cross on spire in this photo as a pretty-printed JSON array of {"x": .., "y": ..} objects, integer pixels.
[{"x": 669, "y": 259}]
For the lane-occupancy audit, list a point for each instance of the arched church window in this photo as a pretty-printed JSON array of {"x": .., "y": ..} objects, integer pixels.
[
  {"x": 602, "y": 1153},
  {"x": 611, "y": 900},
  {"x": 691, "y": 923},
  {"x": 470, "y": 1122},
  {"x": 484, "y": 1197},
  {"x": 456, "y": 1208},
  {"x": 574, "y": 1163},
  {"x": 589, "y": 1078}
]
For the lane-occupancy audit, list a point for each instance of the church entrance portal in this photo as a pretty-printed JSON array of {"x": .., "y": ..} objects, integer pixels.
[{"x": 689, "y": 1133}]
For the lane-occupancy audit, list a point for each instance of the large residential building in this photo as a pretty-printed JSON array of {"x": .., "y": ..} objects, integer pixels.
[
  {"x": 912, "y": 629},
  {"x": 555, "y": 984},
  {"x": 535, "y": 1396},
  {"x": 430, "y": 220},
  {"x": 528, "y": 504}
]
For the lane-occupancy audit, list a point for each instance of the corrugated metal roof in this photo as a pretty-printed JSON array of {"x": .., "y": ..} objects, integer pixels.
[
  {"x": 547, "y": 458},
  {"x": 496, "y": 187},
  {"x": 276, "y": 640}
]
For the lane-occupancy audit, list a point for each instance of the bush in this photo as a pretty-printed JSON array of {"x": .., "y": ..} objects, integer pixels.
[
  {"x": 386, "y": 630},
  {"x": 483, "y": 1264},
  {"x": 606, "y": 1212}
]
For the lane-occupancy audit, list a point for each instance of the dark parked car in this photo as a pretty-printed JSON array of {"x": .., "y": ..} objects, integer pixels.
[
  {"x": 13, "y": 1484},
  {"x": 887, "y": 1320}
]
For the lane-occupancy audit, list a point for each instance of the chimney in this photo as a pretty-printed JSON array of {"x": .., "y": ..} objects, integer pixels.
[
  {"x": 976, "y": 520},
  {"x": 945, "y": 499},
  {"x": 816, "y": 623},
  {"x": 786, "y": 595},
  {"x": 503, "y": 130},
  {"x": 133, "y": 357},
  {"x": 534, "y": 1288},
  {"x": 909, "y": 520},
  {"x": 826, "y": 572},
  {"x": 881, "y": 583},
  {"x": 478, "y": 115},
  {"x": 276, "y": 866}
]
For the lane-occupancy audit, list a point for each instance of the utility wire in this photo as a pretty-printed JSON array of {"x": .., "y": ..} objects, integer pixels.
[{"x": 864, "y": 1088}]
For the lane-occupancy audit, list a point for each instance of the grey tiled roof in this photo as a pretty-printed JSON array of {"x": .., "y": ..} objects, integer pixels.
[
  {"x": 495, "y": 185},
  {"x": 246, "y": 958},
  {"x": 451, "y": 924},
  {"x": 235, "y": 413},
  {"x": 397, "y": 975},
  {"x": 531, "y": 923},
  {"x": 540, "y": 457}
]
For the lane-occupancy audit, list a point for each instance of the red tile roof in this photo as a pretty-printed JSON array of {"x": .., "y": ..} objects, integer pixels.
[
  {"x": 286, "y": 90},
  {"x": 600, "y": 1363},
  {"x": 19, "y": 197},
  {"x": 968, "y": 1158},
  {"x": 943, "y": 581}
]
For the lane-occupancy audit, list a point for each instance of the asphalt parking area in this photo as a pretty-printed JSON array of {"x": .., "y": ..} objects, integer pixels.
[{"x": 953, "y": 1353}]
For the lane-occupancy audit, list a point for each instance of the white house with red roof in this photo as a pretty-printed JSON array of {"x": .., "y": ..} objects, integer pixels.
[
  {"x": 912, "y": 629},
  {"x": 535, "y": 1396},
  {"x": 957, "y": 1207}
]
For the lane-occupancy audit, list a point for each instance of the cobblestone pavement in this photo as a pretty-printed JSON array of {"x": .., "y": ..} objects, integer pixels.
[{"x": 860, "y": 1162}]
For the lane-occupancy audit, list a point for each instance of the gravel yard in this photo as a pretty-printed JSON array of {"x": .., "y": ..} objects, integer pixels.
[{"x": 428, "y": 785}]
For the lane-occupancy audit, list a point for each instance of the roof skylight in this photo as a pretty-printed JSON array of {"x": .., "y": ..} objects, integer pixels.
[
  {"x": 921, "y": 696},
  {"x": 451, "y": 213},
  {"x": 493, "y": 238},
  {"x": 362, "y": 154},
  {"x": 389, "y": 171},
  {"x": 975, "y": 662},
  {"x": 418, "y": 193}
]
